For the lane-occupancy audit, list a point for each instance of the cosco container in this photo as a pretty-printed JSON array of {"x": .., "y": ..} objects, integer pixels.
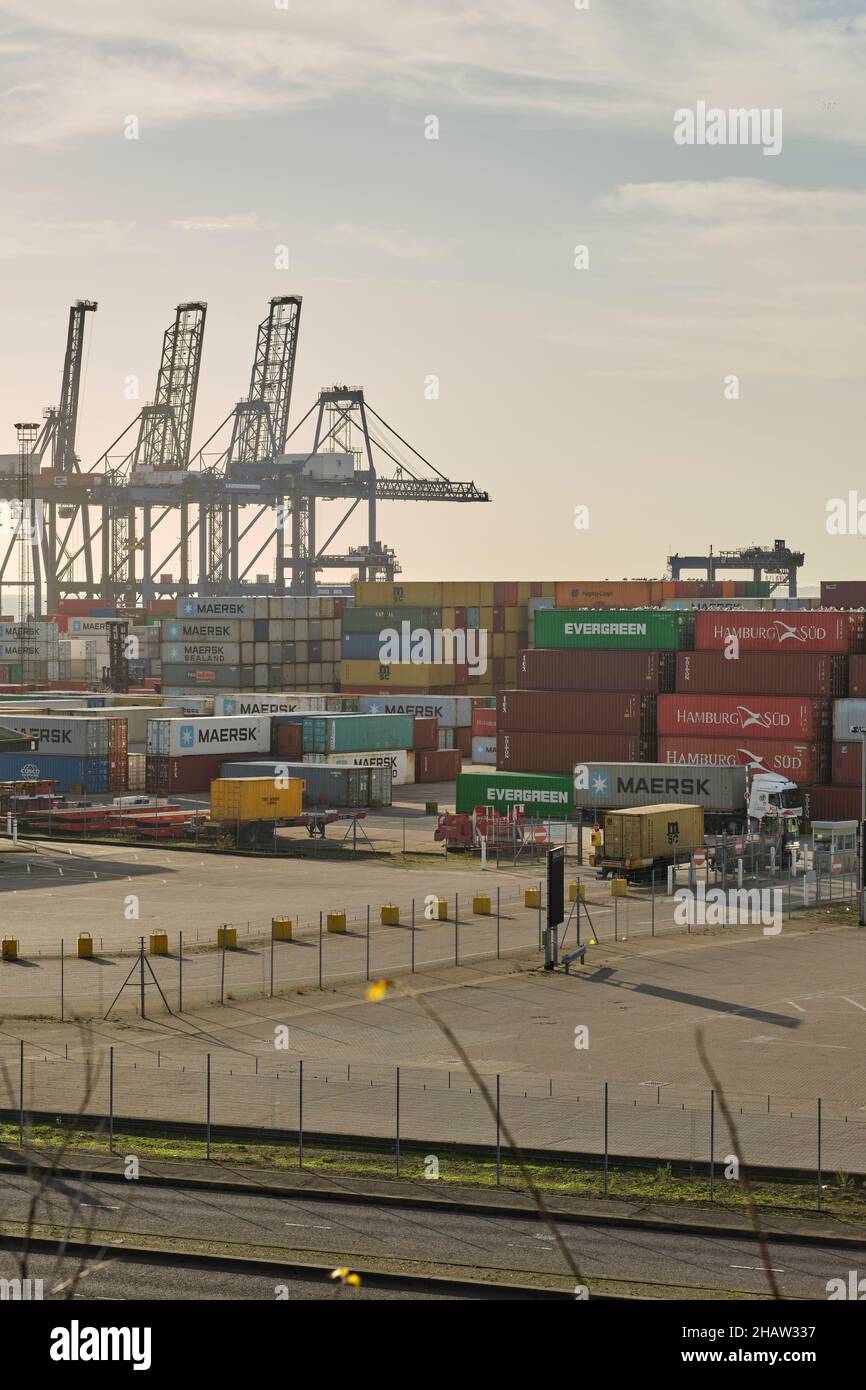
[
  {"x": 772, "y": 673},
  {"x": 574, "y": 712},
  {"x": 626, "y": 629},
  {"x": 200, "y": 737},
  {"x": 802, "y": 762},
  {"x": 628, "y": 671},
  {"x": 812, "y": 630},
  {"x": 639, "y": 837},
  {"x": 732, "y": 716},
  {"x": 616, "y": 785},
  {"x": 92, "y": 775},
  {"x": 255, "y": 798},
  {"x": 450, "y": 710},
  {"x": 541, "y": 797},
  {"x": 559, "y": 752}
]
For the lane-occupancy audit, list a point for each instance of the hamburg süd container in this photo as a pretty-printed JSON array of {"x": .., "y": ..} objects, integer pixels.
[
  {"x": 555, "y": 752},
  {"x": 613, "y": 786},
  {"x": 787, "y": 672},
  {"x": 638, "y": 837},
  {"x": 733, "y": 716},
  {"x": 809, "y": 630},
  {"x": 625, "y": 629},
  {"x": 256, "y": 798},
  {"x": 598, "y": 670},
  {"x": 541, "y": 797},
  {"x": 574, "y": 712},
  {"x": 801, "y": 762}
]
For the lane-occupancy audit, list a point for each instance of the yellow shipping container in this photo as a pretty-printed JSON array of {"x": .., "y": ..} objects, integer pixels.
[
  {"x": 398, "y": 676},
  {"x": 524, "y": 591},
  {"x": 548, "y": 588},
  {"x": 449, "y": 616},
  {"x": 642, "y": 834},
  {"x": 485, "y": 597},
  {"x": 255, "y": 798},
  {"x": 485, "y": 617},
  {"x": 376, "y": 594},
  {"x": 515, "y": 619},
  {"x": 499, "y": 644},
  {"x": 510, "y": 644}
]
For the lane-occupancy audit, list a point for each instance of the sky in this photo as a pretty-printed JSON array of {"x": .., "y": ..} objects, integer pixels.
[{"x": 693, "y": 378}]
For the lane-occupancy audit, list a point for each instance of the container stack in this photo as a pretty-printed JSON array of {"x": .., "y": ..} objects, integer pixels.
[
  {"x": 186, "y": 754},
  {"x": 33, "y": 647},
  {"x": 80, "y": 754},
  {"x": 252, "y": 643}
]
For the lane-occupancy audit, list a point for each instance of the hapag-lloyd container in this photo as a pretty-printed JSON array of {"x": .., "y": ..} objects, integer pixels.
[
  {"x": 814, "y": 630},
  {"x": 483, "y": 722},
  {"x": 541, "y": 797},
  {"x": 831, "y": 803},
  {"x": 802, "y": 762},
  {"x": 732, "y": 716},
  {"x": 786, "y": 672},
  {"x": 575, "y": 712},
  {"x": 847, "y": 763},
  {"x": 599, "y": 670},
  {"x": 555, "y": 752},
  {"x": 621, "y": 629},
  {"x": 197, "y": 737}
]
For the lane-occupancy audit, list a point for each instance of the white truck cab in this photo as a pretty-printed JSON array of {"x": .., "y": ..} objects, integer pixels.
[{"x": 769, "y": 794}]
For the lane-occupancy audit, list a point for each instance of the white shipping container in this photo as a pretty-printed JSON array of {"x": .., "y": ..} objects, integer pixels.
[
  {"x": 216, "y": 607},
  {"x": 484, "y": 750},
  {"x": 192, "y": 736},
  {"x": 69, "y": 736},
  {"x": 847, "y": 713},
  {"x": 174, "y": 630},
  {"x": 254, "y": 703},
  {"x": 452, "y": 711},
  {"x": 201, "y": 653},
  {"x": 401, "y": 761}
]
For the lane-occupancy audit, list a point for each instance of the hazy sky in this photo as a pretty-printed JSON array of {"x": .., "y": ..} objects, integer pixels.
[{"x": 304, "y": 126}]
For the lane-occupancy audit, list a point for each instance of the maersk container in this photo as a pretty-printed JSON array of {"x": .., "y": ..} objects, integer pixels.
[
  {"x": 732, "y": 716},
  {"x": 192, "y": 737},
  {"x": 593, "y": 671},
  {"x": 67, "y": 735},
  {"x": 91, "y": 774},
  {"x": 541, "y": 752},
  {"x": 811, "y": 630},
  {"x": 612, "y": 786},
  {"x": 801, "y": 762},
  {"x": 574, "y": 712},
  {"x": 540, "y": 796},
  {"x": 484, "y": 749},
  {"x": 399, "y": 762},
  {"x": 325, "y": 786},
  {"x": 452, "y": 711},
  {"x": 177, "y": 631},
  {"x": 785, "y": 672},
  {"x": 215, "y": 608},
  {"x": 200, "y": 653},
  {"x": 621, "y": 629}
]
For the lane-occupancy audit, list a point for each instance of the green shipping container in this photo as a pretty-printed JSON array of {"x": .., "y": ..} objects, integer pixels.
[
  {"x": 626, "y": 629},
  {"x": 542, "y": 796},
  {"x": 375, "y": 619},
  {"x": 368, "y": 733}
]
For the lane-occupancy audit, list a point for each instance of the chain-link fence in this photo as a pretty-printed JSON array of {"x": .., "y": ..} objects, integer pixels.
[{"x": 334, "y": 1107}]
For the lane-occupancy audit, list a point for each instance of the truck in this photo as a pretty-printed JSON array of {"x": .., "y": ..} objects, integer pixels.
[{"x": 734, "y": 799}]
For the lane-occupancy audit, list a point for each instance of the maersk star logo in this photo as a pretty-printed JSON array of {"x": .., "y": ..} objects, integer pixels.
[
  {"x": 375, "y": 707},
  {"x": 230, "y": 707},
  {"x": 174, "y": 653},
  {"x": 187, "y": 736},
  {"x": 600, "y": 784},
  {"x": 188, "y": 609}
]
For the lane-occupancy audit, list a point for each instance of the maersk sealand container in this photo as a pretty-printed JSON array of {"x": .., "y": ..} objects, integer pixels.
[{"x": 626, "y": 629}]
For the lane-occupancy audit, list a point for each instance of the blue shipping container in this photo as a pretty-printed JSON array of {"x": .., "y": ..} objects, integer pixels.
[
  {"x": 361, "y": 646},
  {"x": 89, "y": 773}
]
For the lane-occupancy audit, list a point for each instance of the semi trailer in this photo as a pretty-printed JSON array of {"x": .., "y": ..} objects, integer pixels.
[{"x": 733, "y": 799}]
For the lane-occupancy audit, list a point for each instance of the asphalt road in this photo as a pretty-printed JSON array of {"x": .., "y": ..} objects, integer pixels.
[{"x": 347, "y": 1232}]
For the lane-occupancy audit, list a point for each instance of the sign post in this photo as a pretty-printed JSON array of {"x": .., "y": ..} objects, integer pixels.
[{"x": 555, "y": 905}]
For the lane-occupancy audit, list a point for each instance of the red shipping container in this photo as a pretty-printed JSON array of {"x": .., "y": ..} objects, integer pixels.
[
  {"x": 288, "y": 740},
  {"x": 802, "y": 762},
  {"x": 483, "y": 722},
  {"x": 857, "y": 675},
  {"x": 843, "y": 593},
  {"x": 189, "y": 774},
  {"x": 499, "y": 675},
  {"x": 847, "y": 767},
  {"x": 731, "y": 716},
  {"x": 504, "y": 594},
  {"x": 578, "y": 712},
  {"x": 831, "y": 803},
  {"x": 443, "y": 765},
  {"x": 425, "y": 734},
  {"x": 595, "y": 670},
  {"x": 811, "y": 629},
  {"x": 524, "y": 752},
  {"x": 770, "y": 673},
  {"x": 463, "y": 740},
  {"x": 499, "y": 620}
]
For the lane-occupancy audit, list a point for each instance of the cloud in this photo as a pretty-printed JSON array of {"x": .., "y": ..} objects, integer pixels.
[
  {"x": 238, "y": 223},
  {"x": 389, "y": 241},
  {"x": 75, "y": 69}
]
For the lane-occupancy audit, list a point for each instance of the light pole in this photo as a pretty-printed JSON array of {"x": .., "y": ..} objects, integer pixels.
[{"x": 861, "y": 730}]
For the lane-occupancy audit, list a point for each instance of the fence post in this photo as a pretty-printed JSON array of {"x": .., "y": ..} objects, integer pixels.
[
  {"x": 820, "y": 1185},
  {"x": 320, "y": 950},
  {"x": 21, "y": 1093},
  {"x": 222, "y": 965},
  {"x": 208, "y": 1104},
  {"x": 180, "y": 972},
  {"x": 367, "y": 957},
  {"x": 456, "y": 928},
  {"x": 497, "y": 922},
  {"x": 301, "y": 1113},
  {"x": 712, "y": 1146},
  {"x": 412, "y": 936},
  {"x": 653, "y": 920},
  {"x": 62, "y": 982},
  {"x": 111, "y": 1100},
  {"x": 539, "y": 914},
  {"x": 498, "y": 1141},
  {"x": 605, "y": 1135},
  {"x": 271, "y": 991},
  {"x": 616, "y": 918},
  {"x": 398, "y": 1123}
]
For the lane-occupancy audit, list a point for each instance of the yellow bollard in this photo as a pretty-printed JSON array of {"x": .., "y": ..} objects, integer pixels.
[
  {"x": 336, "y": 921},
  {"x": 532, "y": 897},
  {"x": 481, "y": 905},
  {"x": 441, "y": 912},
  {"x": 390, "y": 915},
  {"x": 618, "y": 887},
  {"x": 10, "y": 948},
  {"x": 159, "y": 943},
  {"x": 573, "y": 891},
  {"x": 282, "y": 928},
  {"x": 85, "y": 946},
  {"x": 227, "y": 937}
]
